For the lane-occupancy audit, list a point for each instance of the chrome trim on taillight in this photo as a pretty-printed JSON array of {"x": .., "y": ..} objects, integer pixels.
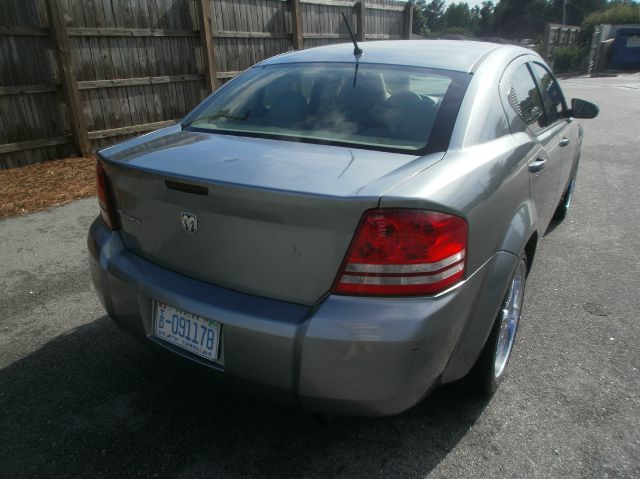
[
  {"x": 403, "y": 280},
  {"x": 404, "y": 268}
]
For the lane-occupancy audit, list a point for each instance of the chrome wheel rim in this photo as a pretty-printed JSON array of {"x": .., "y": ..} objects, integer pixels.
[{"x": 509, "y": 318}]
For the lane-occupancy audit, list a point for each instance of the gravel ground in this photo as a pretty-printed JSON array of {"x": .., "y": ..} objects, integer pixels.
[{"x": 79, "y": 398}]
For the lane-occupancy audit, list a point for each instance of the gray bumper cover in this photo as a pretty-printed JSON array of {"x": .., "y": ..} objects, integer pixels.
[{"x": 349, "y": 355}]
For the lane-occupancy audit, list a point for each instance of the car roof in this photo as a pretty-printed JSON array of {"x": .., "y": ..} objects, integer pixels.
[{"x": 456, "y": 55}]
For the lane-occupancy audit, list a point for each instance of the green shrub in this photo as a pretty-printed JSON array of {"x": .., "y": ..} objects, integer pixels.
[
  {"x": 567, "y": 58},
  {"x": 620, "y": 14}
]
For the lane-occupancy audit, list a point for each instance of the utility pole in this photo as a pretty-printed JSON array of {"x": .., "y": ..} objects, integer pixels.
[{"x": 564, "y": 12}]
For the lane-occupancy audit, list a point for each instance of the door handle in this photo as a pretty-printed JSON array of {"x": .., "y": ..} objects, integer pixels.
[
  {"x": 565, "y": 141},
  {"x": 537, "y": 165}
]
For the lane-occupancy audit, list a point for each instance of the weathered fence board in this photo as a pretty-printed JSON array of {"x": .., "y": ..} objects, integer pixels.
[{"x": 106, "y": 70}]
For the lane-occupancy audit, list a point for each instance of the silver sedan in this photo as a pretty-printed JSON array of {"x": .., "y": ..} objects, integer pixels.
[{"x": 342, "y": 230}]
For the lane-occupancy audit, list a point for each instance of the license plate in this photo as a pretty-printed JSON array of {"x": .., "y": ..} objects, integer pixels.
[{"x": 189, "y": 331}]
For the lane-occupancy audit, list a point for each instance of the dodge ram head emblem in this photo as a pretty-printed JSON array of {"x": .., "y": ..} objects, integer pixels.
[{"x": 189, "y": 222}]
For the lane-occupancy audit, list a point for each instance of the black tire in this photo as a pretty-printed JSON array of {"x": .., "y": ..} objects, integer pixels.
[{"x": 489, "y": 370}]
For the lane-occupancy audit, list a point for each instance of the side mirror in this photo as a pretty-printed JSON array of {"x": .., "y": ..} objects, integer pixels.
[{"x": 583, "y": 109}]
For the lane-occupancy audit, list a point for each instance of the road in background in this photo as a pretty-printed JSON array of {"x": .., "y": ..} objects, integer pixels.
[{"x": 80, "y": 398}]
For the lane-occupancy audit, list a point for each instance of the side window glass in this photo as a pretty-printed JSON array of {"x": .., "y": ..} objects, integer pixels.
[
  {"x": 551, "y": 93},
  {"x": 525, "y": 99}
]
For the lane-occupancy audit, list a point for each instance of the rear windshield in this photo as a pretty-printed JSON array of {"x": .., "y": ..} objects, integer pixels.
[{"x": 379, "y": 107}]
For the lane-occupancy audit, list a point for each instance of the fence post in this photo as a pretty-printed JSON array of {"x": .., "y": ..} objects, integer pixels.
[
  {"x": 360, "y": 21},
  {"x": 61, "y": 44},
  {"x": 296, "y": 25},
  {"x": 206, "y": 38},
  {"x": 408, "y": 20}
]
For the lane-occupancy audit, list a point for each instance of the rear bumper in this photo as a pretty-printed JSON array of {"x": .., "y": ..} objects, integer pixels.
[{"x": 346, "y": 355}]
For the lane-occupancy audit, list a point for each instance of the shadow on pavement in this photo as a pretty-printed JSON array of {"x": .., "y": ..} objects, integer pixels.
[
  {"x": 552, "y": 226},
  {"x": 95, "y": 403}
]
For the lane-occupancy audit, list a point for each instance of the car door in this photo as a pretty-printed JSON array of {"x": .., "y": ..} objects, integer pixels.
[
  {"x": 555, "y": 110},
  {"x": 541, "y": 141}
]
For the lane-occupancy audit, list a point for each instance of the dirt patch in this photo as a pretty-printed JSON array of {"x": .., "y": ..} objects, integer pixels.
[{"x": 38, "y": 187}]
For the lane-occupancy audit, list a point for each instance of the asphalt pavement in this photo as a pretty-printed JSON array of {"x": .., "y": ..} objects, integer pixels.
[{"x": 80, "y": 398}]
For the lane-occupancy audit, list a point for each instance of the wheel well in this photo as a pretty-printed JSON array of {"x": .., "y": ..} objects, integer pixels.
[{"x": 530, "y": 250}]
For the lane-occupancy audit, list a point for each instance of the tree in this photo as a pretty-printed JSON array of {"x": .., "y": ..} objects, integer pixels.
[
  {"x": 420, "y": 26},
  {"x": 519, "y": 18},
  {"x": 576, "y": 10},
  {"x": 617, "y": 13},
  {"x": 457, "y": 15},
  {"x": 434, "y": 12},
  {"x": 485, "y": 20},
  {"x": 474, "y": 20}
]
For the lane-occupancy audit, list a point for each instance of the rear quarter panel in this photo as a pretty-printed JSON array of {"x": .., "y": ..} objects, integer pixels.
[
  {"x": 483, "y": 177},
  {"x": 488, "y": 185}
]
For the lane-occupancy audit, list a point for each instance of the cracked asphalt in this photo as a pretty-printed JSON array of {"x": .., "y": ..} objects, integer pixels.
[{"x": 80, "y": 398}]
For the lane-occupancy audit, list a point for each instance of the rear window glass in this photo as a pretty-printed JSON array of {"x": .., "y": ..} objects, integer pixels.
[{"x": 371, "y": 106}]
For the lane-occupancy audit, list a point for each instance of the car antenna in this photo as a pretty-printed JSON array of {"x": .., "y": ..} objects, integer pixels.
[{"x": 356, "y": 49}]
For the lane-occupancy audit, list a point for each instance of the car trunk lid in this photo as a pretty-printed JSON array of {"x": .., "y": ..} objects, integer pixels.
[{"x": 266, "y": 217}]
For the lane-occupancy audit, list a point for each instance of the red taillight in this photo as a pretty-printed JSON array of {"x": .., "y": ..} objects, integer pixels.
[
  {"x": 404, "y": 252},
  {"x": 105, "y": 198}
]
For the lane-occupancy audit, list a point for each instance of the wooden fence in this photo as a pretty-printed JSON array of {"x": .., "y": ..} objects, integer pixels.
[{"x": 76, "y": 75}]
